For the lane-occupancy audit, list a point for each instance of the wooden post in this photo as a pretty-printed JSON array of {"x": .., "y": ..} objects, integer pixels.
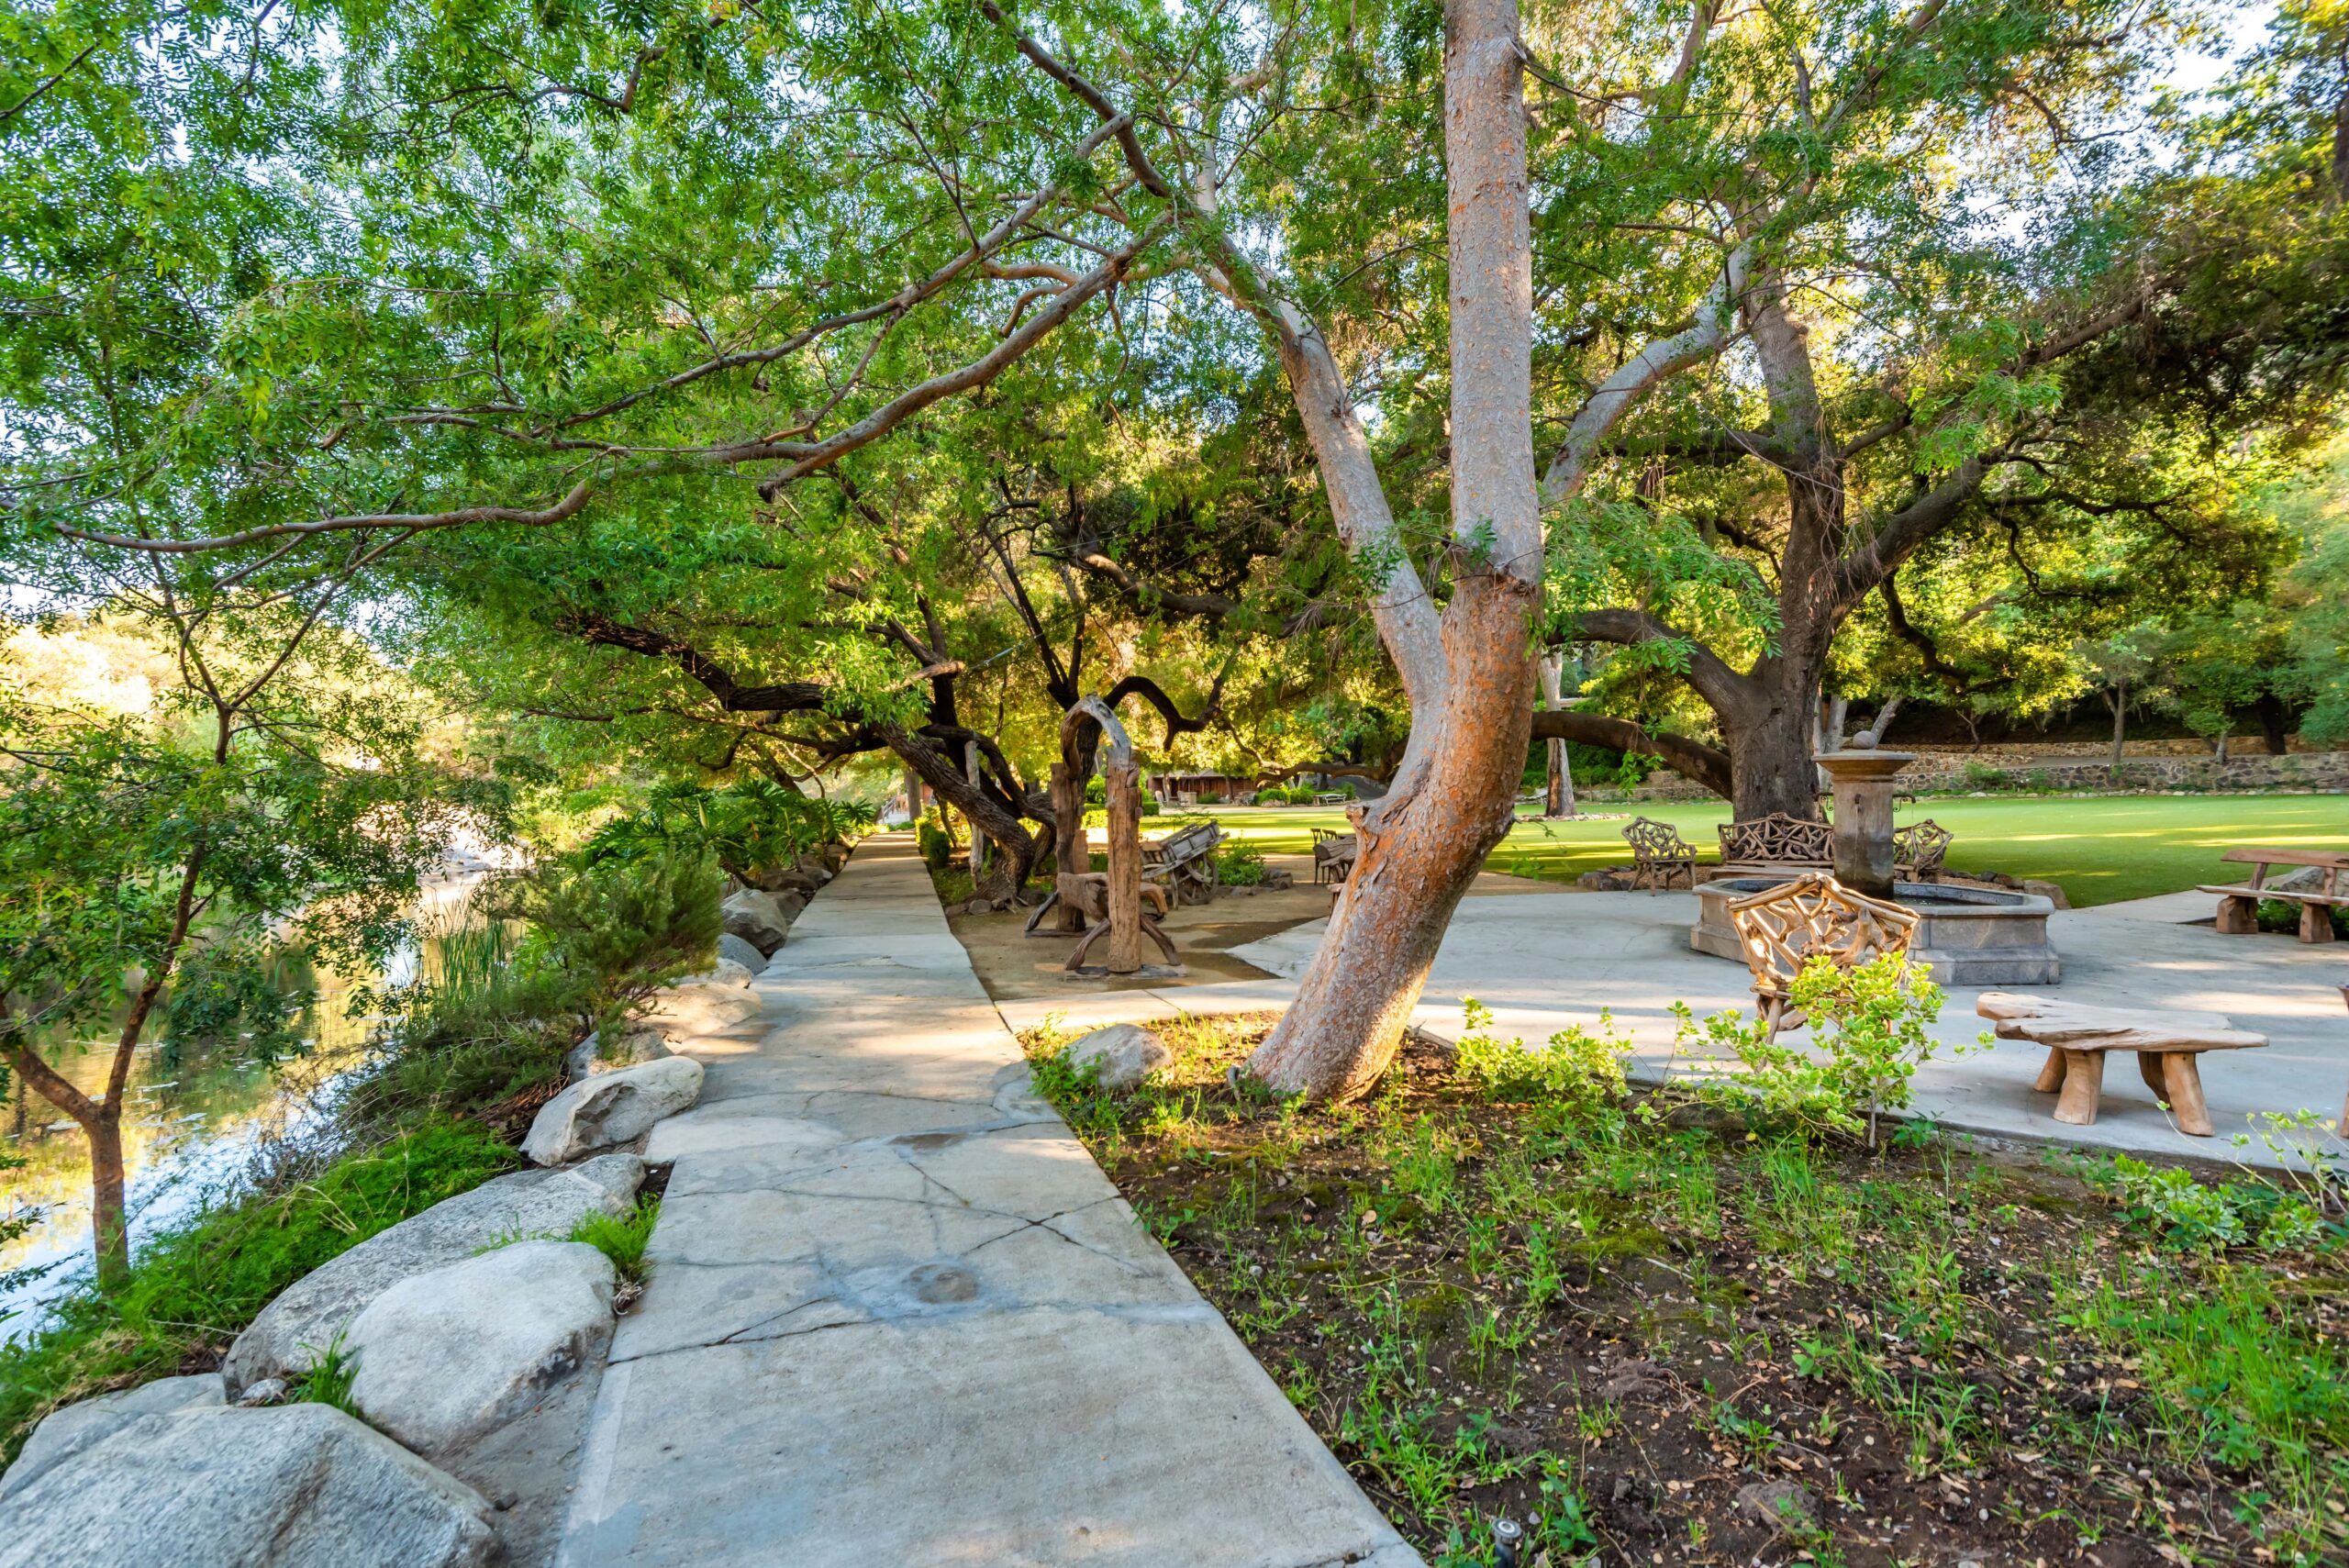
[
  {"x": 1068, "y": 845},
  {"x": 1123, "y": 794}
]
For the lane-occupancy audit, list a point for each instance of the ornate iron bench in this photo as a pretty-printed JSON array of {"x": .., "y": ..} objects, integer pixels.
[
  {"x": 1781, "y": 928},
  {"x": 1775, "y": 842},
  {"x": 1658, "y": 853}
]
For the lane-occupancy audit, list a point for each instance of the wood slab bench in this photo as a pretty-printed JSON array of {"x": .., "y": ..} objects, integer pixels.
[
  {"x": 2077, "y": 1036},
  {"x": 2239, "y": 907}
]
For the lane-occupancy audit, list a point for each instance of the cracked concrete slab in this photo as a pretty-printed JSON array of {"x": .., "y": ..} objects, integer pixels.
[{"x": 897, "y": 1314}]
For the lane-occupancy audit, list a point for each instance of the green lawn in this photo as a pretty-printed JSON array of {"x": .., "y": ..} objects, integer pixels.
[{"x": 2100, "y": 850}]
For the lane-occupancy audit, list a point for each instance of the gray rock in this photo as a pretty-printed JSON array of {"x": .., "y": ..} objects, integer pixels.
[
  {"x": 297, "y": 1486},
  {"x": 448, "y": 1357},
  {"x": 725, "y": 972},
  {"x": 755, "y": 918},
  {"x": 790, "y": 902},
  {"x": 1128, "y": 1054},
  {"x": 307, "y": 1315},
  {"x": 267, "y": 1391},
  {"x": 610, "y": 1109},
  {"x": 68, "y": 1431},
  {"x": 733, "y": 946},
  {"x": 640, "y": 1043},
  {"x": 2050, "y": 891},
  {"x": 2308, "y": 878}
]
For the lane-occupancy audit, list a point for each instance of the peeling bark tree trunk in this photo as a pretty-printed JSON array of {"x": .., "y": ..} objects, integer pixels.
[{"x": 1423, "y": 843}]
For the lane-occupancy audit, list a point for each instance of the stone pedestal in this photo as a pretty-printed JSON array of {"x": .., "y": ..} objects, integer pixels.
[{"x": 1862, "y": 840}]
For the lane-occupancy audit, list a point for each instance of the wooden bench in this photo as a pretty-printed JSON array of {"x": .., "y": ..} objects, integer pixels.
[
  {"x": 1775, "y": 842},
  {"x": 2077, "y": 1036},
  {"x": 1093, "y": 896},
  {"x": 2239, "y": 907},
  {"x": 1658, "y": 853}
]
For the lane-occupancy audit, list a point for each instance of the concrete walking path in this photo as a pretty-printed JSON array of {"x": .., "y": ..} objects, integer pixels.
[{"x": 897, "y": 1315}]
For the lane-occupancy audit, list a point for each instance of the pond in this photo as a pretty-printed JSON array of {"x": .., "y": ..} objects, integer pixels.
[{"x": 193, "y": 1119}]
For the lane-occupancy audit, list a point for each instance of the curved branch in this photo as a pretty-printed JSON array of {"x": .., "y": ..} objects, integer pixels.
[
  {"x": 1718, "y": 684},
  {"x": 1693, "y": 759},
  {"x": 1149, "y": 690}
]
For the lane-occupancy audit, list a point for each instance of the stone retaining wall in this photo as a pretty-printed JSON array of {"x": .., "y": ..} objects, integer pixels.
[{"x": 2012, "y": 770}]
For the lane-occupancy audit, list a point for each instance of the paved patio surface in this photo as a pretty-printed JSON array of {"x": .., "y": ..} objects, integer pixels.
[
  {"x": 1545, "y": 962},
  {"x": 897, "y": 1314}
]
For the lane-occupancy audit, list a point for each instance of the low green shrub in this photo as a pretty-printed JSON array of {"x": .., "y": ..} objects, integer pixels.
[
  {"x": 192, "y": 1291},
  {"x": 2192, "y": 1216},
  {"x": 751, "y": 827},
  {"x": 1576, "y": 1066},
  {"x": 937, "y": 845},
  {"x": 1239, "y": 865},
  {"x": 620, "y": 1236}
]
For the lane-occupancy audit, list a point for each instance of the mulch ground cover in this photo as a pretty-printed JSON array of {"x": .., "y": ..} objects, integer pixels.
[{"x": 1655, "y": 1335}]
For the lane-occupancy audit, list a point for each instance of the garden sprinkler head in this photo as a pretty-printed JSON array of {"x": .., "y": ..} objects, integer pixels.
[{"x": 1508, "y": 1534}]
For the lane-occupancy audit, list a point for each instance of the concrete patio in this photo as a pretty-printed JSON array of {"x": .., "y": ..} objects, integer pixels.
[{"x": 1545, "y": 962}]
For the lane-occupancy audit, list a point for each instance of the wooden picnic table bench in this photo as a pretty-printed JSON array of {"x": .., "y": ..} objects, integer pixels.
[
  {"x": 2239, "y": 905},
  {"x": 1333, "y": 854},
  {"x": 2077, "y": 1036}
]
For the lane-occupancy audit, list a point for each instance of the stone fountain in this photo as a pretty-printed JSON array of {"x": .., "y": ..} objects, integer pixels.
[{"x": 1965, "y": 936}]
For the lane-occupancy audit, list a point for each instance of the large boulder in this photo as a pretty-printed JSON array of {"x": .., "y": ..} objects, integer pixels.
[
  {"x": 733, "y": 946},
  {"x": 1127, "y": 1055},
  {"x": 307, "y": 1315},
  {"x": 610, "y": 1109},
  {"x": 68, "y": 1431},
  {"x": 725, "y": 972},
  {"x": 448, "y": 1357},
  {"x": 640, "y": 1043},
  {"x": 297, "y": 1486},
  {"x": 756, "y": 918}
]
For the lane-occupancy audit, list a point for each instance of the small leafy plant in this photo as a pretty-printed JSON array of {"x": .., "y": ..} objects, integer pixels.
[
  {"x": 1575, "y": 1066},
  {"x": 1868, "y": 1037}
]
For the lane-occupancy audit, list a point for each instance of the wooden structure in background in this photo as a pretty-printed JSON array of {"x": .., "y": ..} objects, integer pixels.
[{"x": 1775, "y": 842}]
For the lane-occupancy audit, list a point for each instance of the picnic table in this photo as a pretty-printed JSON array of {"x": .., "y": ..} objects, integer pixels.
[{"x": 2239, "y": 904}]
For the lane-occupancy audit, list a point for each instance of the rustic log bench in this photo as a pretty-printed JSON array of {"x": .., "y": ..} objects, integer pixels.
[
  {"x": 1333, "y": 854},
  {"x": 1782, "y": 928},
  {"x": 2077, "y": 1036},
  {"x": 2239, "y": 905},
  {"x": 1775, "y": 842}
]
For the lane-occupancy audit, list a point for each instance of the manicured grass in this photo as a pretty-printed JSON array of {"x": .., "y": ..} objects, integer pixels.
[{"x": 2098, "y": 849}]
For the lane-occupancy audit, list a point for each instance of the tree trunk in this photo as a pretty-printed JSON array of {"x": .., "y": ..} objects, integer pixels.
[
  {"x": 1455, "y": 793},
  {"x": 2274, "y": 724},
  {"x": 1422, "y": 847},
  {"x": 2120, "y": 701},
  {"x": 109, "y": 1215},
  {"x": 1070, "y": 857},
  {"x": 1769, "y": 746},
  {"x": 1001, "y": 877}
]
